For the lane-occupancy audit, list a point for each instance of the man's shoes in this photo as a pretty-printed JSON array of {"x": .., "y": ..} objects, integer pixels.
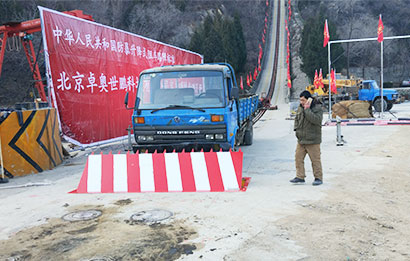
[
  {"x": 317, "y": 182},
  {"x": 297, "y": 181}
]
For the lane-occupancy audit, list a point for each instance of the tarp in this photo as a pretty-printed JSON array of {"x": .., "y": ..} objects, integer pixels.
[{"x": 91, "y": 66}]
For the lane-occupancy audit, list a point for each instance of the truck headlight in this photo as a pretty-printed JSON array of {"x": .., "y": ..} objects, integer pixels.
[
  {"x": 219, "y": 136},
  {"x": 145, "y": 138},
  {"x": 209, "y": 136},
  {"x": 142, "y": 138}
]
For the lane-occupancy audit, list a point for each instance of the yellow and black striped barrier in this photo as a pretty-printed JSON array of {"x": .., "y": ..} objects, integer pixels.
[{"x": 30, "y": 141}]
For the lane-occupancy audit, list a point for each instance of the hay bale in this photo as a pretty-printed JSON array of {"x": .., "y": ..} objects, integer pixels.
[
  {"x": 338, "y": 110},
  {"x": 352, "y": 109},
  {"x": 361, "y": 110}
]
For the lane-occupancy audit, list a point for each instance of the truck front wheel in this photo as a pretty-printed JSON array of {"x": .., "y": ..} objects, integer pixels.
[{"x": 377, "y": 105}]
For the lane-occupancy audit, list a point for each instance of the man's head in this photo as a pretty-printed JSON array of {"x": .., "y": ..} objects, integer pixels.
[{"x": 304, "y": 96}]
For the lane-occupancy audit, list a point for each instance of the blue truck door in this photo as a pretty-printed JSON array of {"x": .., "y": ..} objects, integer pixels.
[
  {"x": 375, "y": 91},
  {"x": 364, "y": 93},
  {"x": 232, "y": 115}
]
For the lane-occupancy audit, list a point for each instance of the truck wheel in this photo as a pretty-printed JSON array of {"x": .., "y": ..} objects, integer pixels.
[
  {"x": 377, "y": 106},
  {"x": 389, "y": 106},
  {"x": 248, "y": 137}
]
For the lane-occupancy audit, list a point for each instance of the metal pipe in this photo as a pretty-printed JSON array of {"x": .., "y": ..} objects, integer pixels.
[
  {"x": 3, "y": 179},
  {"x": 339, "y": 137},
  {"x": 370, "y": 39},
  {"x": 129, "y": 138},
  {"x": 329, "y": 89}
]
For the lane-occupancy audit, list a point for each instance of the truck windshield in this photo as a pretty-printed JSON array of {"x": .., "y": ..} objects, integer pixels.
[{"x": 196, "y": 89}]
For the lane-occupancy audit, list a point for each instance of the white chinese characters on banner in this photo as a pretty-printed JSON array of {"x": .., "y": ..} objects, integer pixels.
[
  {"x": 112, "y": 45},
  {"x": 63, "y": 82},
  {"x": 78, "y": 82},
  {"x": 126, "y": 83}
]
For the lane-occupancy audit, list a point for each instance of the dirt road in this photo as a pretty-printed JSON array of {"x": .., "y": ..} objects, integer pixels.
[{"x": 365, "y": 216}]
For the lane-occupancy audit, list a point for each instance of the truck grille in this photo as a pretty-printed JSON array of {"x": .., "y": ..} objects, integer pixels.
[{"x": 177, "y": 134}]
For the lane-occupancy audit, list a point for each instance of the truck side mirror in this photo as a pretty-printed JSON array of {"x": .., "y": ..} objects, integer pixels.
[
  {"x": 135, "y": 106},
  {"x": 235, "y": 93},
  {"x": 126, "y": 100}
]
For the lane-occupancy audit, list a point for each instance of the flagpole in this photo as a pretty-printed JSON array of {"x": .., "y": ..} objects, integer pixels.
[
  {"x": 329, "y": 90},
  {"x": 381, "y": 78},
  {"x": 381, "y": 71}
]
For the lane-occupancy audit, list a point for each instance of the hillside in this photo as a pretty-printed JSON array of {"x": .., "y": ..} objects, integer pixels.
[
  {"x": 174, "y": 22},
  {"x": 169, "y": 21}
]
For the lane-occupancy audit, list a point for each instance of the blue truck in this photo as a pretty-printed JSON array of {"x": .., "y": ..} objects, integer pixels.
[
  {"x": 191, "y": 107},
  {"x": 370, "y": 91},
  {"x": 364, "y": 90}
]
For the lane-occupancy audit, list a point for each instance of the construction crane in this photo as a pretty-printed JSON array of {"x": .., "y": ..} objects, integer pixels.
[{"x": 22, "y": 31}]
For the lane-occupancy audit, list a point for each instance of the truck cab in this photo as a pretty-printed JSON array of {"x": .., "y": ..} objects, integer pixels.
[
  {"x": 371, "y": 92},
  {"x": 186, "y": 107}
]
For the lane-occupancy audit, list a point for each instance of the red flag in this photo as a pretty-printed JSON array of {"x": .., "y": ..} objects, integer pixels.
[
  {"x": 380, "y": 30},
  {"x": 320, "y": 81},
  {"x": 315, "y": 81},
  {"x": 241, "y": 83},
  {"x": 290, "y": 10},
  {"x": 326, "y": 36},
  {"x": 289, "y": 79},
  {"x": 333, "y": 81},
  {"x": 247, "y": 80},
  {"x": 255, "y": 74}
]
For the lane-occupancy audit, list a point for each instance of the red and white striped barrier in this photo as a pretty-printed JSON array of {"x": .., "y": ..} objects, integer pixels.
[
  {"x": 163, "y": 172},
  {"x": 358, "y": 122}
]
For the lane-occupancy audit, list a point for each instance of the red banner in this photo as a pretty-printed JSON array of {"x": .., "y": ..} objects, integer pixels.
[{"x": 91, "y": 67}]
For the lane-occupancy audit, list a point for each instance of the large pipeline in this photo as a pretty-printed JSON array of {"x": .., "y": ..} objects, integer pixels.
[{"x": 266, "y": 102}]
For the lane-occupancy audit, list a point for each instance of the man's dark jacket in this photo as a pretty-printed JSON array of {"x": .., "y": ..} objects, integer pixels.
[{"x": 308, "y": 124}]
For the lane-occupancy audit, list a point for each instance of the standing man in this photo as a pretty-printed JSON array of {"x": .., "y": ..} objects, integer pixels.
[{"x": 308, "y": 128}]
